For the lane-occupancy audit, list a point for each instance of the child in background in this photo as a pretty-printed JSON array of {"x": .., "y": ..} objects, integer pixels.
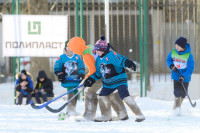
[
  {"x": 44, "y": 87},
  {"x": 69, "y": 68},
  {"x": 24, "y": 86},
  {"x": 181, "y": 63}
]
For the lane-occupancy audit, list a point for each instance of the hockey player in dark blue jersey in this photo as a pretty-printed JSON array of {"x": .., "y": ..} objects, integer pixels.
[
  {"x": 70, "y": 69},
  {"x": 110, "y": 67}
]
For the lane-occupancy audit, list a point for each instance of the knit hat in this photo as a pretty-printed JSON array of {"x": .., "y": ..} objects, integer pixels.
[
  {"x": 23, "y": 72},
  {"x": 101, "y": 45},
  {"x": 42, "y": 74},
  {"x": 66, "y": 43},
  {"x": 181, "y": 41}
]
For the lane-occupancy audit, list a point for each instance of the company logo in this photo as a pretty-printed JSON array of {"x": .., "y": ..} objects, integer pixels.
[{"x": 34, "y": 28}]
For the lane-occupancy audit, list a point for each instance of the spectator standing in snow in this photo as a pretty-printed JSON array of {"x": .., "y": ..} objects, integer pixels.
[
  {"x": 78, "y": 46},
  {"x": 180, "y": 60},
  {"x": 24, "y": 86},
  {"x": 44, "y": 87},
  {"x": 110, "y": 66},
  {"x": 70, "y": 69}
]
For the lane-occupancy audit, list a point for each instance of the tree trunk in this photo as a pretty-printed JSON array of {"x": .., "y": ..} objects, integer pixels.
[
  {"x": 39, "y": 7},
  {"x": 197, "y": 63}
]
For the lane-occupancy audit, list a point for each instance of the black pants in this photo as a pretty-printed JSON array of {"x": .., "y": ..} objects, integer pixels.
[
  {"x": 20, "y": 98},
  {"x": 179, "y": 90},
  {"x": 38, "y": 95},
  {"x": 122, "y": 90}
]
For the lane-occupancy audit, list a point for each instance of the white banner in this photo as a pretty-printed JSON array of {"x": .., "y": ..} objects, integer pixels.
[{"x": 34, "y": 35}]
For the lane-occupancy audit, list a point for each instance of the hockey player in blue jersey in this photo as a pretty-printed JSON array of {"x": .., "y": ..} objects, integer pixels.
[
  {"x": 110, "y": 67},
  {"x": 70, "y": 69},
  {"x": 78, "y": 46}
]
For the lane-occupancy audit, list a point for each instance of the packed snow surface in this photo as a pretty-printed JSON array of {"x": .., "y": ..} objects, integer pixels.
[{"x": 157, "y": 108}]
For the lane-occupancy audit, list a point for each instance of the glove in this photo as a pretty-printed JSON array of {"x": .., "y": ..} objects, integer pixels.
[
  {"x": 89, "y": 82},
  {"x": 130, "y": 64},
  {"x": 173, "y": 68},
  {"x": 61, "y": 76},
  {"x": 181, "y": 79},
  {"x": 81, "y": 76}
]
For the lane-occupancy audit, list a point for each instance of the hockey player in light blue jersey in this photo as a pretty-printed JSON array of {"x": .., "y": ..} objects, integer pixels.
[
  {"x": 110, "y": 67},
  {"x": 70, "y": 69}
]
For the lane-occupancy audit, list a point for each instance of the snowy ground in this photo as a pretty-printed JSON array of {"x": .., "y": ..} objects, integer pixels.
[{"x": 156, "y": 108}]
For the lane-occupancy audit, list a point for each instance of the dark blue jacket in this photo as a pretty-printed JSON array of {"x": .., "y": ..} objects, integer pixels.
[
  {"x": 47, "y": 84},
  {"x": 29, "y": 85},
  {"x": 187, "y": 72}
]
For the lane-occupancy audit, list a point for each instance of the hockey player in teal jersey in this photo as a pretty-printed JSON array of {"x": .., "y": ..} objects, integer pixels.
[
  {"x": 70, "y": 69},
  {"x": 110, "y": 67}
]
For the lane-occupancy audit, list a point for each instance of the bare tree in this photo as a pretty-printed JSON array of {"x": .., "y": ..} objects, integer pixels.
[{"x": 39, "y": 7}]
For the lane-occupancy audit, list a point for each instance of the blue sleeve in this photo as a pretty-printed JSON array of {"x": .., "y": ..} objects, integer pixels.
[
  {"x": 81, "y": 66},
  {"x": 30, "y": 83},
  {"x": 17, "y": 82},
  {"x": 169, "y": 60},
  {"x": 97, "y": 75},
  {"x": 58, "y": 65},
  {"x": 190, "y": 66},
  {"x": 118, "y": 60}
]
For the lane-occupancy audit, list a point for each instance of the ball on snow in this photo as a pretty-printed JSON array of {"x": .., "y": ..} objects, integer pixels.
[{"x": 61, "y": 116}]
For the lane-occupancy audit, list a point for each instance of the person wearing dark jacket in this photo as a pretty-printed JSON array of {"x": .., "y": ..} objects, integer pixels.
[
  {"x": 24, "y": 85},
  {"x": 44, "y": 87}
]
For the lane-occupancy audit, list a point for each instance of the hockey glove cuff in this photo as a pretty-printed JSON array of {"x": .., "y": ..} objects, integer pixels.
[
  {"x": 173, "y": 68},
  {"x": 130, "y": 64},
  {"x": 89, "y": 82},
  {"x": 61, "y": 76}
]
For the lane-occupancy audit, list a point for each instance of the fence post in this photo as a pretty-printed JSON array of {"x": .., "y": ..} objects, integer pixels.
[
  {"x": 141, "y": 47},
  {"x": 14, "y": 58},
  {"x": 81, "y": 30},
  {"x": 77, "y": 20},
  {"x": 81, "y": 19},
  {"x": 145, "y": 47}
]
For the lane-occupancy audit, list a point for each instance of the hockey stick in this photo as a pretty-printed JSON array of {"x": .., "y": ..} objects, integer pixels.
[
  {"x": 47, "y": 103},
  {"x": 63, "y": 106},
  {"x": 192, "y": 104},
  {"x": 69, "y": 79}
]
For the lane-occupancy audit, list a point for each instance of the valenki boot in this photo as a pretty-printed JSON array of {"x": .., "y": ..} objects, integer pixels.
[
  {"x": 71, "y": 107},
  {"x": 177, "y": 106},
  {"x": 134, "y": 108},
  {"x": 178, "y": 101},
  {"x": 91, "y": 102},
  {"x": 119, "y": 107},
  {"x": 105, "y": 107}
]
